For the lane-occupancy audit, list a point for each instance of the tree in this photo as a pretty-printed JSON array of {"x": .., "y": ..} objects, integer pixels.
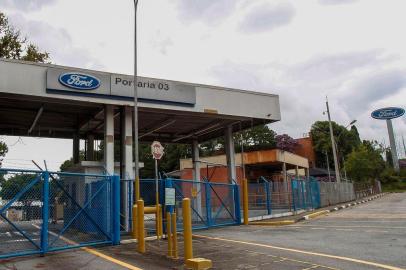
[
  {"x": 346, "y": 140},
  {"x": 286, "y": 143},
  {"x": 365, "y": 163},
  {"x": 14, "y": 46},
  {"x": 256, "y": 138},
  {"x": 13, "y": 185},
  {"x": 3, "y": 151}
]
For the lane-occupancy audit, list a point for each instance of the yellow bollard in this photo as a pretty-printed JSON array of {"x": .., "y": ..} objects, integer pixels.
[
  {"x": 245, "y": 200},
  {"x": 137, "y": 189},
  {"x": 140, "y": 222},
  {"x": 174, "y": 237},
  {"x": 161, "y": 231},
  {"x": 169, "y": 233},
  {"x": 134, "y": 223},
  {"x": 187, "y": 229}
]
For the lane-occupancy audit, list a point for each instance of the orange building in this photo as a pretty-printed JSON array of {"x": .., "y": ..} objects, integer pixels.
[
  {"x": 305, "y": 149},
  {"x": 274, "y": 164}
]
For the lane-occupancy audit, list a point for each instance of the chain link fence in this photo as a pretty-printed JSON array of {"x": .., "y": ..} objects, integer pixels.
[{"x": 43, "y": 211}]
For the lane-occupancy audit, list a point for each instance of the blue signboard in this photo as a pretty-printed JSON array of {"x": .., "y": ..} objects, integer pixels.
[
  {"x": 79, "y": 81},
  {"x": 387, "y": 113}
]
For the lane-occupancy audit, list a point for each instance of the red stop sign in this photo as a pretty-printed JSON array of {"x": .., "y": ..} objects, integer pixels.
[{"x": 157, "y": 150}]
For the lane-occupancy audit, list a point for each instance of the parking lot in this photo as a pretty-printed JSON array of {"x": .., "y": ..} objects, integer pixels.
[{"x": 368, "y": 236}]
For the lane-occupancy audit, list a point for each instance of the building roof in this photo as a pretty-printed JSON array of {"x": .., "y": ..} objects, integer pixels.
[
  {"x": 169, "y": 111},
  {"x": 272, "y": 157}
]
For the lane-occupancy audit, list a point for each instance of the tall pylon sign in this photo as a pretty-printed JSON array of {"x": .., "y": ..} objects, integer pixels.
[{"x": 388, "y": 114}]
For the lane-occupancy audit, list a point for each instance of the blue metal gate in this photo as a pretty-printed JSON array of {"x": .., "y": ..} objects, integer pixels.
[
  {"x": 43, "y": 211},
  {"x": 213, "y": 204},
  {"x": 305, "y": 194}
]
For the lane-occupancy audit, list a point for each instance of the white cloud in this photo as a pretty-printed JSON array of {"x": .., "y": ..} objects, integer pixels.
[
  {"x": 266, "y": 17},
  {"x": 342, "y": 51},
  {"x": 209, "y": 11},
  {"x": 56, "y": 41},
  {"x": 26, "y": 5}
]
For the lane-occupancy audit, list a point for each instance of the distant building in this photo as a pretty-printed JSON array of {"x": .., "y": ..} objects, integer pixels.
[
  {"x": 274, "y": 164},
  {"x": 305, "y": 149}
]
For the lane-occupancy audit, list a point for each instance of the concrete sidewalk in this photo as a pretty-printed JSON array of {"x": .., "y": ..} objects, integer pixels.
[{"x": 302, "y": 215}]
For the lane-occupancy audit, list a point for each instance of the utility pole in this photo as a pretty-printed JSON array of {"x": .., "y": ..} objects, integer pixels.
[
  {"x": 333, "y": 145},
  {"x": 328, "y": 167},
  {"x": 136, "y": 154}
]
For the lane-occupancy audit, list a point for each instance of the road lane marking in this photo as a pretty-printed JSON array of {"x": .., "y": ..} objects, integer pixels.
[
  {"x": 95, "y": 252},
  {"x": 383, "y": 266},
  {"x": 348, "y": 226}
]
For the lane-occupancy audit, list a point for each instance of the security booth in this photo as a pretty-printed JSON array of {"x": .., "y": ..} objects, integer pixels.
[{"x": 51, "y": 101}]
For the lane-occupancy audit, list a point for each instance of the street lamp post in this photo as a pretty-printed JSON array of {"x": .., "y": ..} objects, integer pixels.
[{"x": 135, "y": 83}]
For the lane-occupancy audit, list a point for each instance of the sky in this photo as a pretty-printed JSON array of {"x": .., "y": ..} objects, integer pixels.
[{"x": 352, "y": 51}]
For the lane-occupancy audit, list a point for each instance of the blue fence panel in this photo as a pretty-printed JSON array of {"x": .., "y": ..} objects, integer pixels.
[
  {"x": 213, "y": 204},
  {"x": 43, "y": 211}
]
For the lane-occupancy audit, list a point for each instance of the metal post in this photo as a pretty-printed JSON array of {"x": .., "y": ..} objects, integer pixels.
[
  {"x": 187, "y": 229},
  {"x": 293, "y": 195},
  {"x": 245, "y": 200},
  {"x": 196, "y": 175},
  {"x": 208, "y": 203},
  {"x": 174, "y": 236},
  {"x": 169, "y": 233},
  {"x": 134, "y": 223},
  {"x": 135, "y": 83},
  {"x": 393, "y": 145},
  {"x": 237, "y": 203},
  {"x": 45, "y": 213},
  {"x": 333, "y": 145},
  {"x": 140, "y": 222},
  {"x": 268, "y": 197},
  {"x": 116, "y": 209}
]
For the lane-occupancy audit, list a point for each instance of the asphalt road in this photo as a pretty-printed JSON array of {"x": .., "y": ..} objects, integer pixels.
[
  {"x": 372, "y": 233},
  {"x": 367, "y": 236}
]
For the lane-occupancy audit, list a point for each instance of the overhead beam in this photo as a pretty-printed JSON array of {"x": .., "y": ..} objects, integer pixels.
[
  {"x": 157, "y": 127},
  {"x": 198, "y": 132}
]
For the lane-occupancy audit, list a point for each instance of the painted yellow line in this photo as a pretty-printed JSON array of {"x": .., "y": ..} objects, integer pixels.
[
  {"x": 97, "y": 253},
  {"x": 347, "y": 226},
  {"x": 383, "y": 266},
  {"x": 316, "y": 214},
  {"x": 111, "y": 259},
  {"x": 273, "y": 223}
]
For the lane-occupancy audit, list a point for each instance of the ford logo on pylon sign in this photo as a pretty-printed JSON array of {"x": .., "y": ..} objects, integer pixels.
[
  {"x": 79, "y": 81},
  {"x": 387, "y": 113}
]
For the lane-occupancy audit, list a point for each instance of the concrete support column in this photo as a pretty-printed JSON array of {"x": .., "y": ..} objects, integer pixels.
[
  {"x": 127, "y": 159},
  {"x": 109, "y": 139},
  {"x": 76, "y": 146},
  {"x": 90, "y": 147},
  {"x": 285, "y": 176},
  {"x": 297, "y": 171},
  {"x": 230, "y": 154},
  {"x": 195, "y": 159},
  {"x": 197, "y": 203}
]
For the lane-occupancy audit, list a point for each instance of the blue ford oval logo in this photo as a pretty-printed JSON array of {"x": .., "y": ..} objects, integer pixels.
[
  {"x": 79, "y": 81},
  {"x": 388, "y": 113}
]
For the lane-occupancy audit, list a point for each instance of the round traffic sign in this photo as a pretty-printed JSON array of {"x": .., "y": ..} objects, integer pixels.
[{"x": 157, "y": 150}]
